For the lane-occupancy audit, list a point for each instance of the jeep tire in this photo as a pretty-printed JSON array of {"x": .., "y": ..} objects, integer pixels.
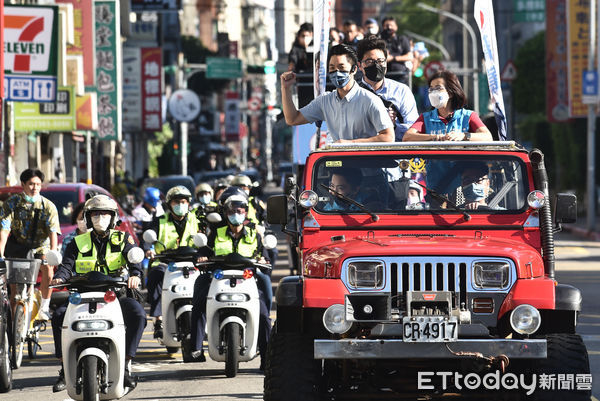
[
  {"x": 567, "y": 354},
  {"x": 291, "y": 372}
]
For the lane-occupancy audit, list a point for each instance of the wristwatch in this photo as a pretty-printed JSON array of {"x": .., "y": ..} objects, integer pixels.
[{"x": 467, "y": 136}]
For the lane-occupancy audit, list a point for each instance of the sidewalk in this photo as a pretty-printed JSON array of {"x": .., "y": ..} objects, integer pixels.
[{"x": 580, "y": 230}]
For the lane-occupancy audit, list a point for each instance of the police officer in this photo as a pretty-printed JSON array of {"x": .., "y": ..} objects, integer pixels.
[
  {"x": 205, "y": 205},
  {"x": 257, "y": 211},
  {"x": 174, "y": 229},
  {"x": 229, "y": 238},
  {"x": 102, "y": 249}
]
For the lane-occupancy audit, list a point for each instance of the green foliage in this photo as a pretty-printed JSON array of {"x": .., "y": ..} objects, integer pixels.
[
  {"x": 530, "y": 86},
  {"x": 158, "y": 150}
]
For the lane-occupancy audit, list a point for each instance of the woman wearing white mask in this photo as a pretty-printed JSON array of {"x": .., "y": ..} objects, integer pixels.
[{"x": 449, "y": 120}]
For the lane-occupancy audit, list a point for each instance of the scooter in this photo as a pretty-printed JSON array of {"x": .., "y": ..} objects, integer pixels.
[
  {"x": 93, "y": 334},
  {"x": 177, "y": 293},
  {"x": 232, "y": 308}
]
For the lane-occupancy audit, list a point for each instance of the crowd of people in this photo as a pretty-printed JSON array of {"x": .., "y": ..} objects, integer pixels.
[
  {"x": 369, "y": 69},
  {"x": 29, "y": 228}
]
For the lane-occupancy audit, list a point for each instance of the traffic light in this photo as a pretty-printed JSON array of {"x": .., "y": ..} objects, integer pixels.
[{"x": 419, "y": 72}]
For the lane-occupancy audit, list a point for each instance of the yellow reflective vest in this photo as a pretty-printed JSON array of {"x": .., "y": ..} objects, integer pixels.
[
  {"x": 87, "y": 258},
  {"x": 247, "y": 245},
  {"x": 167, "y": 233}
]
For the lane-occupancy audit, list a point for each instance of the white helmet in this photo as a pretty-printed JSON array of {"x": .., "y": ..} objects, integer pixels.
[{"x": 100, "y": 203}]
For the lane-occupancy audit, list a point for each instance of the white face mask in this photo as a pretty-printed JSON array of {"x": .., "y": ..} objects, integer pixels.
[
  {"x": 81, "y": 226},
  {"x": 101, "y": 222},
  {"x": 438, "y": 99},
  {"x": 412, "y": 200}
]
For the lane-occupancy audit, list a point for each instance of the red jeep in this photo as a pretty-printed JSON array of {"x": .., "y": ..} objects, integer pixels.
[{"x": 427, "y": 270}]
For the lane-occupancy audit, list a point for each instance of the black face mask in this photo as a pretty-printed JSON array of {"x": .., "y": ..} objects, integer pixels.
[
  {"x": 387, "y": 33},
  {"x": 375, "y": 72}
]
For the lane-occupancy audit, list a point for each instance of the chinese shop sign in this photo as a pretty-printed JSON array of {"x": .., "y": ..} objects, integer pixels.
[
  {"x": 30, "y": 53},
  {"x": 55, "y": 116},
  {"x": 151, "y": 90},
  {"x": 83, "y": 24},
  {"x": 107, "y": 70}
]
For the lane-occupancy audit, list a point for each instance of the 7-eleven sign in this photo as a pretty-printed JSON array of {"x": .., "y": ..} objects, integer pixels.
[
  {"x": 30, "y": 39},
  {"x": 30, "y": 53}
]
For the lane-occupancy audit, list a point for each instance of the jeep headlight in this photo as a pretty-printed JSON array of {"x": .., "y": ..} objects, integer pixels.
[
  {"x": 365, "y": 274},
  {"x": 525, "y": 319},
  {"x": 91, "y": 325},
  {"x": 491, "y": 275}
]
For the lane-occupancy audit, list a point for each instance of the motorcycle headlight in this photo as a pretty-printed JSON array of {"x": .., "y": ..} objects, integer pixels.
[
  {"x": 365, "y": 274},
  {"x": 232, "y": 297},
  {"x": 91, "y": 325},
  {"x": 491, "y": 275},
  {"x": 180, "y": 288}
]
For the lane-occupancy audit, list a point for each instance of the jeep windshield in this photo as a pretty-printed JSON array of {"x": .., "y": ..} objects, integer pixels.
[{"x": 412, "y": 184}]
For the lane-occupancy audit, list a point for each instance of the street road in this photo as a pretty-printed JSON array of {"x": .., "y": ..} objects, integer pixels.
[{"x": 166, "y": 377}]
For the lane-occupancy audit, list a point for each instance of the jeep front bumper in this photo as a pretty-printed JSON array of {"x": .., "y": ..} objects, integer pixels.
[{"x": 398, "y": 349}]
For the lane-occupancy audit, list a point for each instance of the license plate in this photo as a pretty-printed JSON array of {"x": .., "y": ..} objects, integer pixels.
[{"x": 429, "y": 329}]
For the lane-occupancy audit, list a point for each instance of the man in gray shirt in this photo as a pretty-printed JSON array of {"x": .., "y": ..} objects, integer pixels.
[{"x": 352, "y": 114}]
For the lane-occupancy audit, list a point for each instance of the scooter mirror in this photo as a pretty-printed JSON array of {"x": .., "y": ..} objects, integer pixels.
[
  {"x": 150, "y": 237},
  {"x": 214, "y": 218},
  {"x": 269, "y": 241},
  {"x": 200, "y": 240},
  {"x": 54, "y": 258},
  {"x": 135, "y": 255}
]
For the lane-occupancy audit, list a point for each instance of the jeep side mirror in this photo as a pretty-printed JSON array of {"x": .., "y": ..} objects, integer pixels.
[
  {"x": 565, "y": 208},
  {"x": 277, "y": 211}
]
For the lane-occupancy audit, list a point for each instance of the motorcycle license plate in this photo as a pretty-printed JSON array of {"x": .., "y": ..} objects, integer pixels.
[{"x": 429, "y": 329}]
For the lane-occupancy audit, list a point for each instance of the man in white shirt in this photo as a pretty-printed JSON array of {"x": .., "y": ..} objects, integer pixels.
[{"x": 352, "y": 114}]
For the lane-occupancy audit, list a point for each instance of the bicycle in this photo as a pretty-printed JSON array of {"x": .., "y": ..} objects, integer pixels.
[{"x": 23, "y": 273}]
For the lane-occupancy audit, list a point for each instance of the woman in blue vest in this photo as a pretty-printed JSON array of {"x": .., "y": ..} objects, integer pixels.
[{"x": 449, "y": 120}]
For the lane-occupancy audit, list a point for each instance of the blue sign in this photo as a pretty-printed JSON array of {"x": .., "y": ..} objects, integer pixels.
[
  {"x": 28, "y": 88},
  {"x": 590, "y": 83}
]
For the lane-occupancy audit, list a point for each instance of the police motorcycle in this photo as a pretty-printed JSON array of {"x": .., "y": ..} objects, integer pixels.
[
  {"x": 177, "y": 293},
  {"x": 232, "y": 306},
  {"x": 93, "y": 333}
]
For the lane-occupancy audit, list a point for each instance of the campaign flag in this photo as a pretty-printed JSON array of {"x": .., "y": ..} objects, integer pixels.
[
  {"x": 322, "y": 22},
  {"x": 484, "y": 15}
]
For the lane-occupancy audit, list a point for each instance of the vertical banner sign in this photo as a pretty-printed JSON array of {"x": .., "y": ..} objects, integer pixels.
[
  {"x": 578, "y": 34},
  {"x": 322, "y": 22},
  {"x": 86, "y": 112},
  {"x": 1, "y": 57},
  {"x": 132, "y": 89},
  {"x": 30, "y": 53},
  {"x": 151, "y": 90},
  {"x": 108, "y": 39},
  {"x": 557, "y": 83},
  {"x": 484, "y": 16},
  {"x": 83, "y": 25}
]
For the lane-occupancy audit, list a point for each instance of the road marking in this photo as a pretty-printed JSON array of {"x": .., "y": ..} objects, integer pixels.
[
  {"x": 589, "y": 315},
  {"x": 574, "y": 249},
  {"x": 593, "y": 352}
]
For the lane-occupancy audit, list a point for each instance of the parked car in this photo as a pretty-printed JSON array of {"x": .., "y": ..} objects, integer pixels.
[
  {"x": 212, "y": 176},
  {"x": 66, "y": 197},
  {"x": 164, "y": 183}
]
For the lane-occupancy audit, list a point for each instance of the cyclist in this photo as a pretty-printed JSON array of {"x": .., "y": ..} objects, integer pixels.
[
  {"x": 174, "y": 229},
  {"x": 102, "y": 249},
  {"x": 32, "y": 222},
  {"x": 234, "y": 236}
]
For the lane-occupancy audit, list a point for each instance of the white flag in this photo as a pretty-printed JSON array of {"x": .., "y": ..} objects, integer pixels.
[
  {"x": 484, "y": 15},
  {"x": 322, "y": 22}
]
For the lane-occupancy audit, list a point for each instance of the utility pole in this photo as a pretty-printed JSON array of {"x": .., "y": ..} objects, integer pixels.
[
  {"x": 591, "y": 129},
  {"x": 466, "y": 25}
]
